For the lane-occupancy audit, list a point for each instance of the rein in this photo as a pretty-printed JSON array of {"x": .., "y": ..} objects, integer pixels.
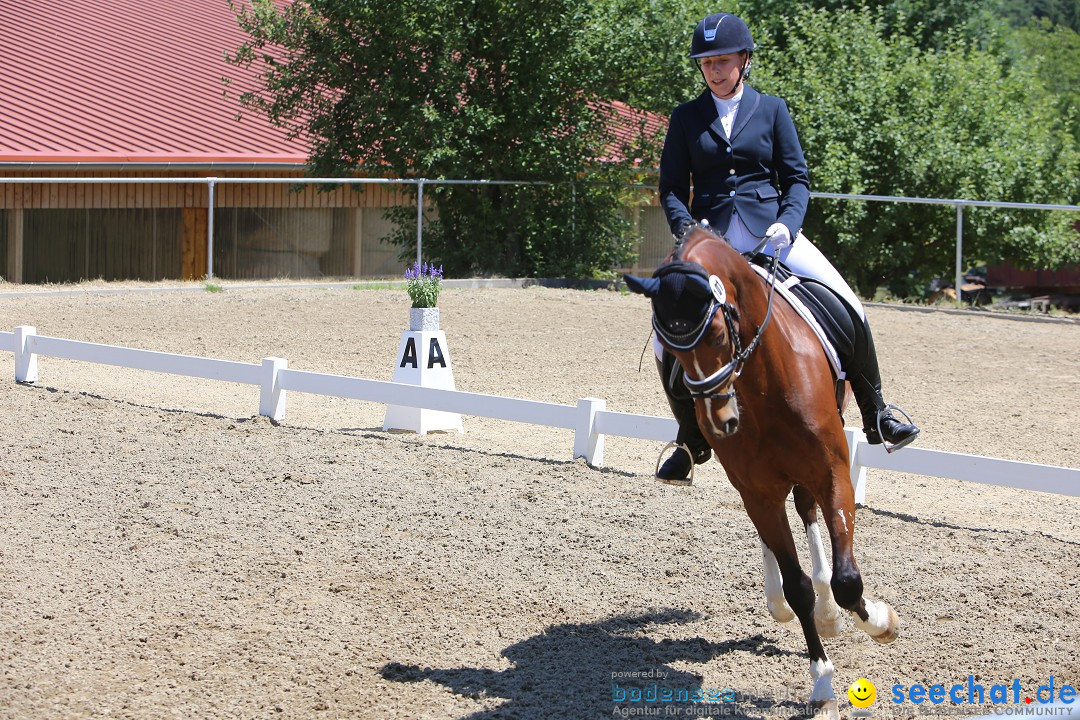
[{"x": 706, "y": 387}]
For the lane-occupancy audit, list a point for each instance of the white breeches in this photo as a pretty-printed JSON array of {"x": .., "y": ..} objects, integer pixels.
[{"x": 801, "y": 256}]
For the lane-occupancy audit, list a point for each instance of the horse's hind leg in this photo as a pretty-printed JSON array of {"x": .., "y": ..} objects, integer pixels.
[
  {"x": 771, "y": 522},
  {"x": 876, "y": 619},
  {"x": 774, "y": 587},
  {"x": 827, "y": 615}
]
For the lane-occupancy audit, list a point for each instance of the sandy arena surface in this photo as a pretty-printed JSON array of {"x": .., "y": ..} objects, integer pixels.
[{"x": 165, "y": 552}]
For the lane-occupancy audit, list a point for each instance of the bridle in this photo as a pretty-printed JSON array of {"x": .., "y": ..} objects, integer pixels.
[{"x": 707, "y": 388}]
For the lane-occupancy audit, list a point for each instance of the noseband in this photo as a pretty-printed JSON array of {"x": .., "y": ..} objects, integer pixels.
[{"x": 707, "y": 388}]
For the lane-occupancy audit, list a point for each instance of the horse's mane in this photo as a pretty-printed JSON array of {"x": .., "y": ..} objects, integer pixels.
[
  {"x": 684, "y": 235},
  {"x": 684, "y": 242}
]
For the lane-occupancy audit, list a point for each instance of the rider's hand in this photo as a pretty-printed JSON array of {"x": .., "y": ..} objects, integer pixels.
[
  {"x": 683, "y": 229},
  {"x": 779, "y": 236}
]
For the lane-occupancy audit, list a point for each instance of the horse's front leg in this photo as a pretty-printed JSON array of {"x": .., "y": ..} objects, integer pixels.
[
  {"x": 770, "y": 519},
  {"x": 827, "y": 615},
  {"x": 876, "y": 619}
]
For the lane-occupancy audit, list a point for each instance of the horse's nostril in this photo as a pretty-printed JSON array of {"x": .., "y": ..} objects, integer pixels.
[{"x": 731, "y": 426}]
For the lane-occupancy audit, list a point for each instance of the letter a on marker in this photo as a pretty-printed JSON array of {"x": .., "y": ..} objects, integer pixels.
[
  {"x": 435, "y": 355},
  {"x": 409, "y": 356}
]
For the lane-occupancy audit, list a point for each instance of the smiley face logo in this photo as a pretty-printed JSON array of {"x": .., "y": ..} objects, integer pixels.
[{"x": 862, "y": 693}]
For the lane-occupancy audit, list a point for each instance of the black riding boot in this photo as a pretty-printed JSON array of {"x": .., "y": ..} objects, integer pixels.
[
  {"x": 676, "y": 469},
  {"x": 866, "y": 386}
]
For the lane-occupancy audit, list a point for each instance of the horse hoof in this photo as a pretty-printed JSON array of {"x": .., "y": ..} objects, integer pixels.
[
  {"x": 893, "y": 629},
  {"x": 829, "y": 625},
  {"x": 781, "y": 612},
  {"x": 826, "y": 710}
]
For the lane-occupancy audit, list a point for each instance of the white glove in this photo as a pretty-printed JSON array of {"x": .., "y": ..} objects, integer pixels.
[{"x": 779, "y": 236}]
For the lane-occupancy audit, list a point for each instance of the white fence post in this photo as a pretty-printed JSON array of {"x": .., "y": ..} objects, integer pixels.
[
  {"x": 587, "y": 442},
  {"x": 271, "y": 394},
  {"x": 25, "y": 360},
  {"x": 858, "y": 472}
]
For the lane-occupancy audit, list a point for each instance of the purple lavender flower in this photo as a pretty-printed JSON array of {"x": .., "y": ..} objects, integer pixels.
[{"x": 423, "y": 282}]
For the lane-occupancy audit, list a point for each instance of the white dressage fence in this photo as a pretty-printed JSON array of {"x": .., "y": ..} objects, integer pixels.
[{"x": 589, "y": 419}]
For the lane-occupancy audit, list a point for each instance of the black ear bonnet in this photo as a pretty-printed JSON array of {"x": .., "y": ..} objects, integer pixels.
[{"x": 684, "y": 301}]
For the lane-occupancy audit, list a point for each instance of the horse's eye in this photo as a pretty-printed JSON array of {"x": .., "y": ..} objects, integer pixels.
[{"x": 719, "y": 337}]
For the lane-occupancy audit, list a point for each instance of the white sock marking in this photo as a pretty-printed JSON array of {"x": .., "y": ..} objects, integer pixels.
[
  {"x": 822, "y": 673},
  {"x": 877, "y": 618},
  {"x": 774, "y": 587},
  {"x": 821, "y": 572}
]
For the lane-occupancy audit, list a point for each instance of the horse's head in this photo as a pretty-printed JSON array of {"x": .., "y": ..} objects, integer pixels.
[{"x": 696, "y": 318}]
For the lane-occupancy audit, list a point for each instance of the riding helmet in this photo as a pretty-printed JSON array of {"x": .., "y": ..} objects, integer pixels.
[{"x": 720, "y": 34}]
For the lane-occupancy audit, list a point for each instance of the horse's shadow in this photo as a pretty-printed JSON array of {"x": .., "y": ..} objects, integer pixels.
[{"x": 585, "y": 670}]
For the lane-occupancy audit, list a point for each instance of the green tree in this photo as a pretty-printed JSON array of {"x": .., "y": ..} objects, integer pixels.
[
  {"x": 486, "y": 89},
  {"x": 643, "y": 47},
  {"x": 930, "y": 24},
  {"x": 1064, "y": 13},
  {"x": 1052, "y": 54},
  {"x": 878, "y": 115}
]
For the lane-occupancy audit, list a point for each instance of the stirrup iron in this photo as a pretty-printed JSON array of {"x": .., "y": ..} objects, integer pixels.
[
  {"x": 659, "y": 461},
  {"x": 903, "y": 443}
]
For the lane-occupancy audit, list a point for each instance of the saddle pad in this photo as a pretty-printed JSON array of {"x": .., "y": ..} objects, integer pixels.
[{"x": 784, "y": 288}]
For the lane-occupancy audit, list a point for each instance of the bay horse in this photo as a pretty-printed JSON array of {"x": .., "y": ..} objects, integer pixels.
[{"x": 765, "y": 399}]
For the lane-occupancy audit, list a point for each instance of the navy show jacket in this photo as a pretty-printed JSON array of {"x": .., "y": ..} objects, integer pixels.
[{"x": 760, "y": 173}]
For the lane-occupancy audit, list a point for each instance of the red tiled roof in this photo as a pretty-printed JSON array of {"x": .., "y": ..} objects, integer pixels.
[
  {"x": 128, "y": 81},
  {"x": 627, "y": 125},
  {"x": 136, "y": 81}
]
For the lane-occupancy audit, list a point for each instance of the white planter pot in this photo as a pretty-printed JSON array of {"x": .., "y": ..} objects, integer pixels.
[{"x": 424, "y": 318}]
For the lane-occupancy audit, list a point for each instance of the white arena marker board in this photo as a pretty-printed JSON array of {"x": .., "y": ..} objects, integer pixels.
[{"x": 424, "y": 360}]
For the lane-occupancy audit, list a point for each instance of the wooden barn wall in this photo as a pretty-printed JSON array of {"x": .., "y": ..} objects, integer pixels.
[
  {"x": 61, "y": 232},
  {"x": 195, "y": 194}
]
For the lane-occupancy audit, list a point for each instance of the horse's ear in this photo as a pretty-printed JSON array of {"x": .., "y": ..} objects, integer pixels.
[{"x": 642, "y": 286}]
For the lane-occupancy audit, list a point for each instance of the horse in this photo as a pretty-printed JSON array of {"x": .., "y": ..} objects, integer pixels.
[{"x": 765, "y": 398}]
